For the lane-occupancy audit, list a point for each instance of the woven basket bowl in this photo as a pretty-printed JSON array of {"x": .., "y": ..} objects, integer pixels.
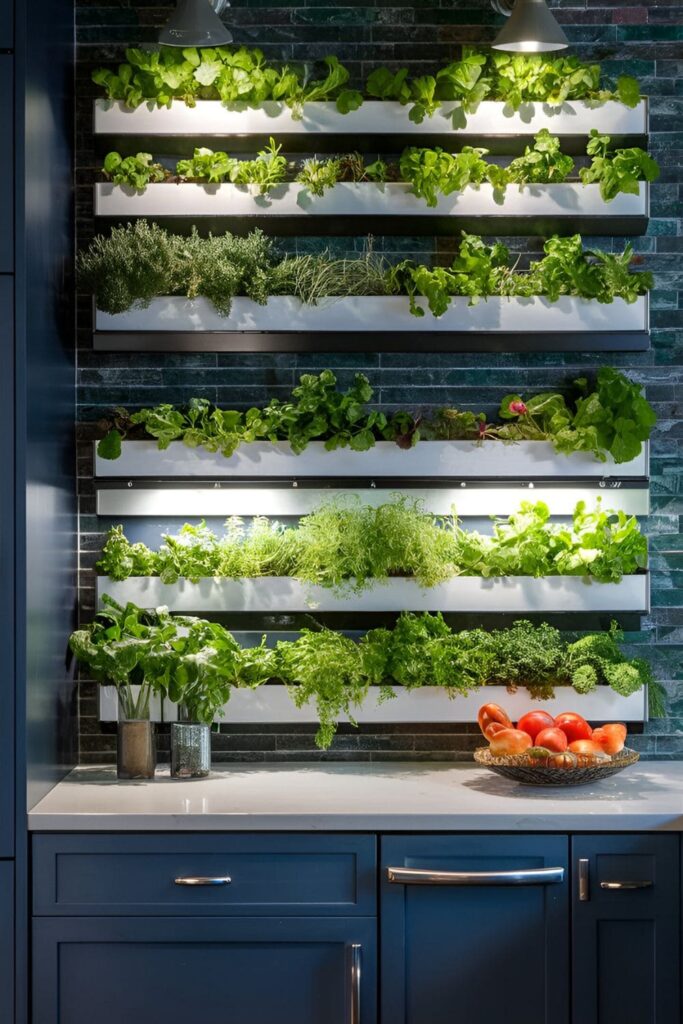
[{"x": 517, "y": 768}]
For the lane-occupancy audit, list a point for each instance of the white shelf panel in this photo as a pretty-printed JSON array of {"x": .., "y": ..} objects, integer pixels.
[
  {"x": 210, "y": 117},
  {"x": 516, "y": 594},
  {"x": 362, "y": 199},
  {"x": 117, "y": 502},
  {"x": 382, "y": 313},
  {"x": 271, "y": 704},
  {"x": 524, "y": 460}
]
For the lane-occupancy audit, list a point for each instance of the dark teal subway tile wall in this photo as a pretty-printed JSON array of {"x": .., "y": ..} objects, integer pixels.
[{"x": 642, "y": 39}]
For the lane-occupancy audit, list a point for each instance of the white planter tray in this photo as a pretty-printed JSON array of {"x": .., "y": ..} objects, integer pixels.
[
  {"x": 386, "y": 313},
  {"x": 209, "y": 500},
  {"x": 495, "y": 460},
  {"x": 363, "y": 199},
  {"x": 210, "y": 117},
  {"x": 271, "y": 704},
  {"x": 285, "y": 595}
]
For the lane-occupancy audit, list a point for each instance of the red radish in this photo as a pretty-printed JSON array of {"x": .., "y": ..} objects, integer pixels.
[
  {"x": 534, "y": 722},
  {"x": 552, "y": 739}
]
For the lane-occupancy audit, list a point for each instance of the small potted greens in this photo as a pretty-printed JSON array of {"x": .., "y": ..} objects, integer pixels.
[
  {"x": 126, "y": 647},
  {"x": 204, "y": 666}
]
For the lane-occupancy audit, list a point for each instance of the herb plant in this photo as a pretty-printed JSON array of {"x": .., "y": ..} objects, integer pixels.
[
  {"x": 607, "y": 417},
  {"x": 350, "y": 547},
  {"x": 197, "y": 663}
]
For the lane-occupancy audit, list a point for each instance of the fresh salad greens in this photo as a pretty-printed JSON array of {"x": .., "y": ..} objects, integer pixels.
[
  {"x": 243, "y": 76},
  {"x": 431, "y": 172},
  {"x": 607, "y": 416},
  {"x": 620, "y": 171},
  {"x": 349, "y": 547},
  {"x": 197, "y": 663},
  {"x": 481, "y": 270}
]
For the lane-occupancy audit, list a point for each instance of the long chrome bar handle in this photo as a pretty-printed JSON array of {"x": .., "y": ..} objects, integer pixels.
[
  {"x": 524, "y": 876},
  {"x": 203, "y": 880},
  {"x": 355, "y": 960}
]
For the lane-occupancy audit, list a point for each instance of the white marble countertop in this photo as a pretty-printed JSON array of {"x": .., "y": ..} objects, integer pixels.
[{"x": 361, "y": 797}]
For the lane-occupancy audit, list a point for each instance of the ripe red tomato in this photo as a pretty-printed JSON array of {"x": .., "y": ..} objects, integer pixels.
[
  {"x": 510, "y": 741},
  {"x": 573, "y": 726},
  {"x": 610, "y": 737},
  {"x": 552, "y": 739},
  {"x": 534, "y": 722},
  {"x": 489, "y": 713}
]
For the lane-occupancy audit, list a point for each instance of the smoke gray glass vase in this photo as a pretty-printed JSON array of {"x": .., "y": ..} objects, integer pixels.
[
  {"x": 136, "y": 755},
  {"x": 190, "y": 750}
]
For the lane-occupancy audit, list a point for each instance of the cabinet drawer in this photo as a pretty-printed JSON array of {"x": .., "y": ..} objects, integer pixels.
[
  {"x": 7, "y": 179},
  {"x": 268, "y": 875}
]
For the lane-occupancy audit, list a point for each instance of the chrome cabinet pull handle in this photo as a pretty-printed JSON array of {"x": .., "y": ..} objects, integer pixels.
[
  {"x": 356, "y": 951},
  {"x": 584, "y": 880},
  {"x": 202, "y": 880},
  {"x": 525, "y": 876},
  {"x": 627, "y": 885}
]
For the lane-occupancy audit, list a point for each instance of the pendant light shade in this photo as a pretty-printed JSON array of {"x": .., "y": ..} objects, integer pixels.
[
  {"x": 531, "y": 28},
  {"x": 194, "y": 23}
]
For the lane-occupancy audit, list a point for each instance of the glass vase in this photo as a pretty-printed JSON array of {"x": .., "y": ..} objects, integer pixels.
[
  {"x": 136, "y": 755},
  {"x": 190, "y": 750}
]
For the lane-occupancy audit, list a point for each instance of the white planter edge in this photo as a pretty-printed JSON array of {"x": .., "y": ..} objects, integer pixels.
[
  {"x": 364, "y": 199},
  {"x": 374, "y": 117},
  {"x": 392, "y": 312},
  {"x": 271, "y": 704},
  {"x": 515, "y": 594},
  {"x": 438, "y": 459}
]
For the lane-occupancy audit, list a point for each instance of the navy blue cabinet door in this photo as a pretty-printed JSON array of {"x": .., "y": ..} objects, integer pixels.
[
  {"x": 474, "y": 949},
  {"x": 7, "y": 667},
  {"x": 7, "y": 180},
  {"x": 626, "y": 927},
  {"x": 6, "y": 941},
  {"x": 180, "y": 970},
  {"x": 6, "y": 25}
]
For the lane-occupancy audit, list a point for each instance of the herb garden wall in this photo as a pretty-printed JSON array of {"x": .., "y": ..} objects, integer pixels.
[{"x": 639, "y": 39}]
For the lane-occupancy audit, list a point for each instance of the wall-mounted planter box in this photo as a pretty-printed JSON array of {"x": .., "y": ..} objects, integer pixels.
[
  {"x": 271, "y": 704},
  {"x": 284, "y": 595},
  {"x": 357, "y": 207},
  {"x": 428, "y": 460},
  {"x": 284, "y": 323},
  {"x": 375, "y": 125}
]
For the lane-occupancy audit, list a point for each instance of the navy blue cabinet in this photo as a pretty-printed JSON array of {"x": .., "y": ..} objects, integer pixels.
[
  {"x": 474, "y": 928},
  {"x": 626, "y": 930},
  {"x": 7, "y": 666},
  {"x": 6, "y": 941},
  {"x": 6, "y": 25},
  {"x": 7, "y": 179},
  {"x": 175, "y": 970}
]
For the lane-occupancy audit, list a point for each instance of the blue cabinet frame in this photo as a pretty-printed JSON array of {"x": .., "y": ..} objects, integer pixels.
[
  {"x": 175, "y": 970},
  {"x": 7, "y": 617},
  {"x": 474, "y": 952},
  {"x": 626, "y": 923},
  {"x": 7, "y": 144},
  {"x": 6, "y": 941},
  {"x": 6, "y": 24}
]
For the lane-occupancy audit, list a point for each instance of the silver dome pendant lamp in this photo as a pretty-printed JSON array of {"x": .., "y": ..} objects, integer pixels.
[
  {"x": 531, "y": 27},
  {"x": 196, "y": 23}
]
